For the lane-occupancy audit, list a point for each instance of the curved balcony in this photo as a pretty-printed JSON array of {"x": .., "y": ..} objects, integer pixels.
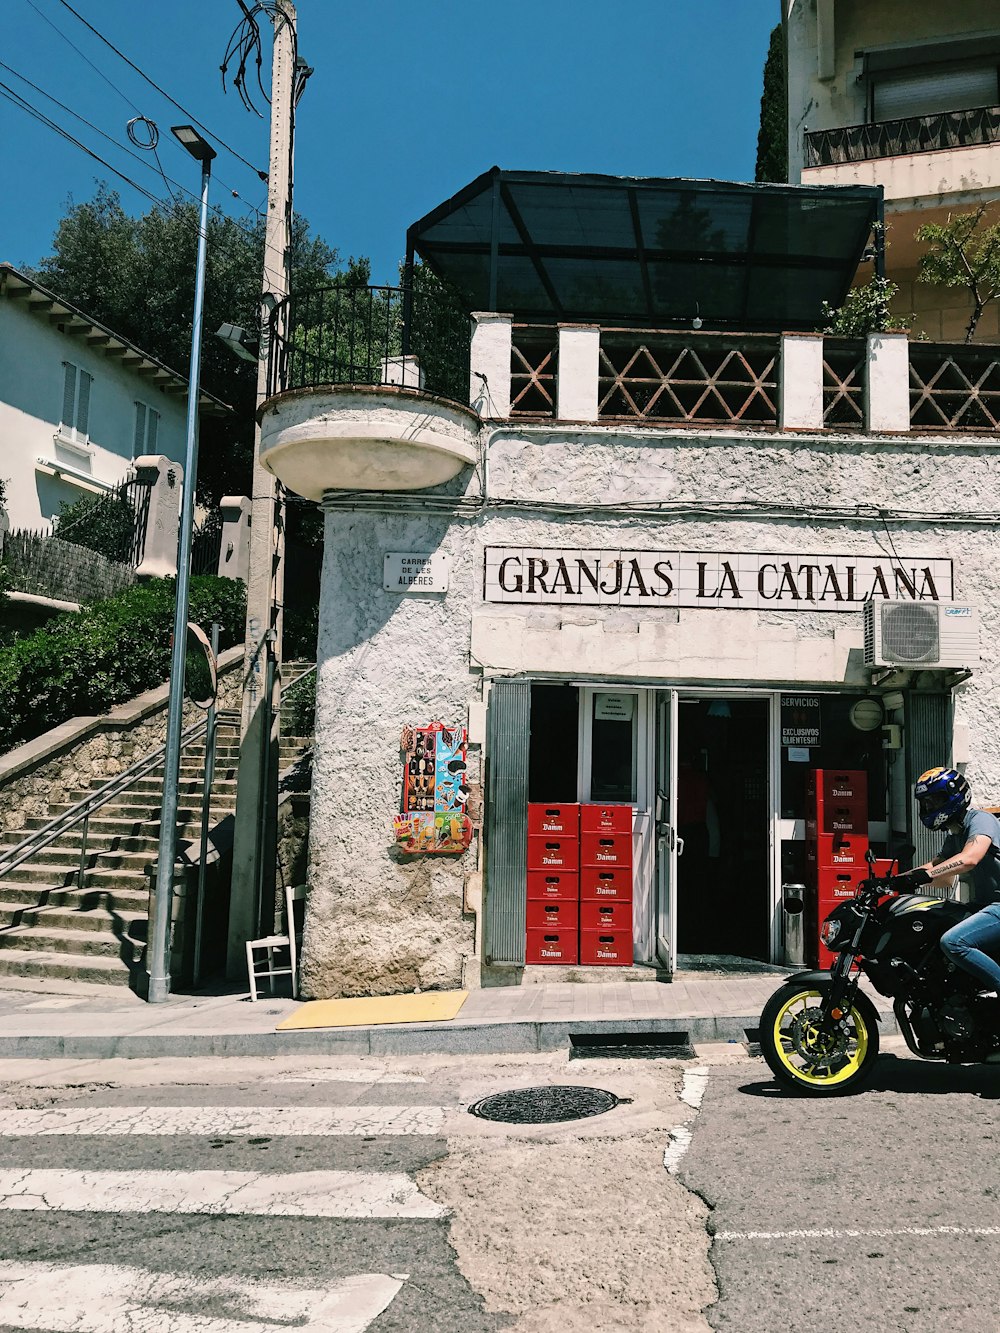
[{"x": 365, "y": 390}]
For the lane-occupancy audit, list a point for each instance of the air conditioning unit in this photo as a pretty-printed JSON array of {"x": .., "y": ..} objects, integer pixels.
[{"x": 922, "y": 635}]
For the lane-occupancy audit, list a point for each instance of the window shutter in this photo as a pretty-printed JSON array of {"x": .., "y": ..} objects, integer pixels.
[
  {"x": 152, "y": 431},
  {"x": 83, "y": 405},
  {"x": 69, "y": 397},
  {"x": 139, "y": 437},
  {"x": 933, "y": 91}
]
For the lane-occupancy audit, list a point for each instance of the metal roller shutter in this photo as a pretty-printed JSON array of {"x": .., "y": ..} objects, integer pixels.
[
  {"x": 928, "y": 744},
  {"x": 898, "y": 96},
  {"x": 507, "y": 738}
]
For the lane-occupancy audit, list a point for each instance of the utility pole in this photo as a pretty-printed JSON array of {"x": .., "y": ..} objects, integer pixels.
[{"x": 254, "y": 842}]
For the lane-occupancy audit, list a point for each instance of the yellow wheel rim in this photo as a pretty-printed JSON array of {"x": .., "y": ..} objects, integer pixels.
[{"x": 807, "y": 1054}]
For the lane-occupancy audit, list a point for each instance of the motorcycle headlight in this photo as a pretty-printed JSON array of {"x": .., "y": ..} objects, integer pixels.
[{"x": 830, "y": 932}]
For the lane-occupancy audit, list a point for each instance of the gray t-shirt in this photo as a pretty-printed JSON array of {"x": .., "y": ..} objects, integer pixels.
[{"x": 986, "y": 875}]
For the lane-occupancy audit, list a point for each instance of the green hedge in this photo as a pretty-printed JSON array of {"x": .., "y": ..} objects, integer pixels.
[{"x": 88, "y": 662}]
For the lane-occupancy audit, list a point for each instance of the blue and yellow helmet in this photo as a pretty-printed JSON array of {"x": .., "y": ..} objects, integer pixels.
[{"x": 943, "y": 796}]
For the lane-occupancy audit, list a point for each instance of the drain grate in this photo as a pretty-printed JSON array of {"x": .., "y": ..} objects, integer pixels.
[
  {"x": 630, "y": 1045},
  {"x": 544, "y": 1106}
]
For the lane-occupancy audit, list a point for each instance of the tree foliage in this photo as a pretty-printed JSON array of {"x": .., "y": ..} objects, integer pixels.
[
  {"x": 136, "y": 274},
  {"x": 105, "y": 524},
  {"x": 866, "y": 310},
  {"x": 963, "y": 253},
  {"x": 772, "y": 137},
  {"x": 87, "y": 662}
]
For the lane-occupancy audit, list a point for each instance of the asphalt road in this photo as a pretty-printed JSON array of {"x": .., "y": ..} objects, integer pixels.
[
  {"x": 876, "y": 1212},
  {"x": 229, "y": 1196}
]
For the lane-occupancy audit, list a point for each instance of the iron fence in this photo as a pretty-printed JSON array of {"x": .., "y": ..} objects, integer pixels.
[
  {"x": 689, "y": 378},
  {"x": 844, "y": 361},
  {"x": 892, "y": 138},
  {"x": 955, "y": 386},
  {"x": 534, "y": 359},
  {"x": 113, "y": 524},
  {"x": 206, "y": 544},
  {"x": 350, "y": 334}
]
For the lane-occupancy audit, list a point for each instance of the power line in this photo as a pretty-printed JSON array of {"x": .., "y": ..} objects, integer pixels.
[
  {"x": 18, "y": 100},
  {"x": 114, "y": 87},
  {"x": 162, "y": 91}
]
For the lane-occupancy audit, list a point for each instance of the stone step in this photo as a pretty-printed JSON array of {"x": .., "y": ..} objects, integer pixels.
[
  {"x": 154, "y": 786},
  {"x": 97, "y": 858},
  {"x": 63, "y": 967},
  {"x": 104, "y": 831},
  {"x": 97, "y": 844},
  {"x": 20, "y": 894},
  {"x": 58, "y": 877},
  {"x": 131, "y": 922},
  {"x": 85, "y": 943},
  {"x": 145, "y": 810}
]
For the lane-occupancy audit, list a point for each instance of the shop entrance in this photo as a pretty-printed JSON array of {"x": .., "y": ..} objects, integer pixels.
[{"x": 721, "y": 808}]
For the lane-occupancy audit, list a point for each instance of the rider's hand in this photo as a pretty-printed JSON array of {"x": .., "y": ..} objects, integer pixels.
[{"x": 909, "y": 880}]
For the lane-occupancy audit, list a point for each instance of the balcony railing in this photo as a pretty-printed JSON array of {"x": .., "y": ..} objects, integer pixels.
[
  {"x": 954, "y": 387},
  {"x": 844, "y": 383},
  {"x": 345, "y": 333},
  {"x": 534, "y": 359},
  {"x": 689, "y": 378},
  {"x": 894, "y": 138}
]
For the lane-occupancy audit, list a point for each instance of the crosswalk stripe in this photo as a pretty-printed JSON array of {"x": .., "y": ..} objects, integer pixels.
[
  {"x": 107, "y": 1298},
  {"x": 233, "y": 1121},
  {"x": 343, "y": 1194}
]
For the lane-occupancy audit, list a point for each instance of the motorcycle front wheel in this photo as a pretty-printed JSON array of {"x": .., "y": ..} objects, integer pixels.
[{"x": 802, "y": 1056}]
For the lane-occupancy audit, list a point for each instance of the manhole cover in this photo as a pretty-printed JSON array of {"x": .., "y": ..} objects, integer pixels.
[{"x": 544, "y": 1106}]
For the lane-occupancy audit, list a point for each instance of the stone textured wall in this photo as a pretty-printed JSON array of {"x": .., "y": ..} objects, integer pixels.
[
  {"x": 381, "y": 922},
  {"x": 94, "y": 757}
]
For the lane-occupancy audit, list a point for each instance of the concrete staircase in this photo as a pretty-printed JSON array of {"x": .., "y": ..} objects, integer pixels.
[{"x": 53, "y": 926}]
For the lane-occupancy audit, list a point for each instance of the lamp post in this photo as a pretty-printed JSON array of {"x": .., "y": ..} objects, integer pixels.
[{"x": 158, "y": 949}]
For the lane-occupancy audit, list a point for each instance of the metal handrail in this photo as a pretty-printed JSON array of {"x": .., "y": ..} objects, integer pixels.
[{"x": 83, "y": 810}]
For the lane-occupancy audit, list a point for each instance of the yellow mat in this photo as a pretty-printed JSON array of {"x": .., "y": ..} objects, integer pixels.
[{"x": 431, "y": 1007}]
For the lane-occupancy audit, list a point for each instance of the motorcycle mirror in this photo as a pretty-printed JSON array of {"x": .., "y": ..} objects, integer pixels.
[{"x": 870, "y": 857}]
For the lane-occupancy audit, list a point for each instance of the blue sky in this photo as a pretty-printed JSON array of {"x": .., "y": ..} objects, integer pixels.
[{"x": 408, "y": 103}]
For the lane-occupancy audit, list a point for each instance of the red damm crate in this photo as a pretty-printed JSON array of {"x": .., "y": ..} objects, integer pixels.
[
  {"x": 606, "y": 948},
  {"x": 835, "y": 786},
  {"x": 553, "y": 886},
  {"x": 838, "y": 817},
  {"x": 552, "y": 946},
  {"x": 838, "y": 849},
  {"x": 606, "y": 883},
  {"x": 554, "y": 915},
  {"x": 605, "y": 819},
  {"x": 835, "y": 884},
  {"x": 606, "y": 916},
  {"x": 606, "y": 849},
  {"x": 562, "y": 820},
  {"x": 545, "y": 853}
]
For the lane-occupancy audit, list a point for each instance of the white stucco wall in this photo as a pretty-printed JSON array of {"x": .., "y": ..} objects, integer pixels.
[
  {"x": 32, "y": 350},
  {"x": 382, "y": 922}
]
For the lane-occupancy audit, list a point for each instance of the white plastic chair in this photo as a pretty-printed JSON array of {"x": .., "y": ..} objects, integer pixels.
[{"x": 291, "y": 941}]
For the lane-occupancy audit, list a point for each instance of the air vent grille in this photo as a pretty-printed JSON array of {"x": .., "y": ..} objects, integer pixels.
[{"x": 910, "y": 633}]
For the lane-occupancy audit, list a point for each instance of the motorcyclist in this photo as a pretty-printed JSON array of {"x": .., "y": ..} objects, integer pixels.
[{"x": 971, "y": 848}]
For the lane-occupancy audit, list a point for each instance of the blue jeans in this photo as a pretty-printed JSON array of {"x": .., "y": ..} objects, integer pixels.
[{"x": 965, "y": 943}]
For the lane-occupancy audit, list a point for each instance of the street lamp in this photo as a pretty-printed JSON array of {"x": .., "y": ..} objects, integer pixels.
[{"x": 158, "y": 949}]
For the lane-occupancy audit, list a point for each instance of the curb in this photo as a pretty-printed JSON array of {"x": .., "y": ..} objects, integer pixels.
[{"x": 416, "y": 1039}]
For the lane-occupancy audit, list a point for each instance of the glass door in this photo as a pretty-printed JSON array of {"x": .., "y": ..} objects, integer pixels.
[
  {"x": 616, "y": 755},
  {"x": 668, "y": 845}
]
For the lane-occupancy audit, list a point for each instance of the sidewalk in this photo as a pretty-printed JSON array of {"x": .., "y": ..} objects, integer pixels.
[{"x": 103, "y": 1023}]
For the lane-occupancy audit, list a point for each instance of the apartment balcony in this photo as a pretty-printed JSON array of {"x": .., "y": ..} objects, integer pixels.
[
  {"x": 927, "y": 164},
  {"x": 351, "y": 403}
]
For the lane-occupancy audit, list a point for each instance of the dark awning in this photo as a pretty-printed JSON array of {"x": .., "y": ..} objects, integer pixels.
[{"x": 548, "y": 246}]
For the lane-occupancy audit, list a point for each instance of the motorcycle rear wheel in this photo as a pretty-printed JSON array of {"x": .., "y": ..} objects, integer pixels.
[{"x": 802, "y": 1057}]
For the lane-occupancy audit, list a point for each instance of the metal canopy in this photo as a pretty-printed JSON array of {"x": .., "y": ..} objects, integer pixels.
[{"x": 549, "y": 246}]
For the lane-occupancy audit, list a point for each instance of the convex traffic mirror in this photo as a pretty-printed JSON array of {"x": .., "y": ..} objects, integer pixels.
[{"x": 201, "y": 677}]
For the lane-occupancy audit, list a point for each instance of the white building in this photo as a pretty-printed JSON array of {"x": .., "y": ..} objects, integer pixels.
[
  {"x": 77, "y": 403},
  {"x": 901, "y": 94},
  {"x": 636, "y": 570}
]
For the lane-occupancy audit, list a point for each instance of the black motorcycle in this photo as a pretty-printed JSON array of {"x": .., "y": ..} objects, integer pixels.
[{"x": 819, "y": 1031}]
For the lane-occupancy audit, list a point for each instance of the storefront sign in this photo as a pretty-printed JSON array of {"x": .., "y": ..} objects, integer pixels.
[
  {"x": 614, "y": 707},
  {"x": 800, "y": 721},
  {"x": 409, "y": 571},
  {"x": 751, "y": 582}
]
